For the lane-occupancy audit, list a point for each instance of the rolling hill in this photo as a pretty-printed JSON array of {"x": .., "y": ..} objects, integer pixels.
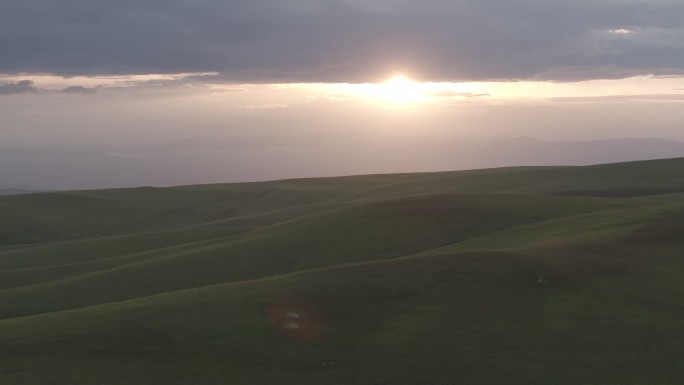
[
  {"x": 16, "y": 191},
  {"x": 526, "y": 275}
]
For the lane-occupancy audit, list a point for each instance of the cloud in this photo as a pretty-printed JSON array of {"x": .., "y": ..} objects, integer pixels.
[
  {"x": 268, "y": 106},
  {"x": 621, "y": 98},
  {"x": 20, "y": 87},
  {"x": 30, "y": 87},
  {"x": 451, "y": 94},
  {"x": 345, "y": 40},
  {"x": 78, "y": 90}
]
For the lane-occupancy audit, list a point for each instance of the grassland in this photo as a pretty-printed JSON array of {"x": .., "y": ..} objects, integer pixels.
[{"x": 531, "y": 275}]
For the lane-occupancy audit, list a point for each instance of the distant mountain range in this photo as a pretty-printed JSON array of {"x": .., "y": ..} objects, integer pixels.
[{"x": 203, "y": 160}]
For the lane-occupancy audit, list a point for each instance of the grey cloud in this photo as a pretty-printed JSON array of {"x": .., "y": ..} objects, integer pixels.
[
  {"x": 20, "y": 87},
  {"x": 28, "y": 86},
  {"x": 345, "y": 40},
  {"x": 571, "y": 74},
  {"x": 78, "y": 90}
]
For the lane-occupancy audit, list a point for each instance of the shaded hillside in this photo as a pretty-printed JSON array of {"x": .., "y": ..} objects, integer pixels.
[
  {"x": 16, "y": 191},
  {"x": 535, "y": 276}
]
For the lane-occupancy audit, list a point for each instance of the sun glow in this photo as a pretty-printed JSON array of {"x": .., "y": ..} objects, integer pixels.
[
  {"x": 398, "y": 90},
  {"x": 401, "y": 90}
]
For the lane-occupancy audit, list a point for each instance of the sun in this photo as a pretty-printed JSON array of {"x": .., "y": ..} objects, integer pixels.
[{"x": 400, "y": 90}]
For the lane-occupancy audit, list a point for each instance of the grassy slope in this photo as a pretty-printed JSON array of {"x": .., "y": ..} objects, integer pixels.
[
  {"x": 376, "y": 231},
  {"x": 83, "y": 214},
  {"x": 516, "y": 276}
]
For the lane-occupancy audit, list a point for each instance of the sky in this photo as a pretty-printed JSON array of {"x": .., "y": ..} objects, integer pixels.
[{"x": 104, "y": 94}]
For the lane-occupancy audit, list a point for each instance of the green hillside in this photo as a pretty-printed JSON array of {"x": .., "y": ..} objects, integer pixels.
[{"x": 530, "y": 275}]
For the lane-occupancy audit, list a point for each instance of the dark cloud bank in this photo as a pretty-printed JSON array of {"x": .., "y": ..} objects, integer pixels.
[{"x": 345, "y": 40}]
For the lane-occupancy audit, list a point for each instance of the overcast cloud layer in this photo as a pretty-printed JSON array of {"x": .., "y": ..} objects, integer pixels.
[{"x": 344, "y": 40}]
